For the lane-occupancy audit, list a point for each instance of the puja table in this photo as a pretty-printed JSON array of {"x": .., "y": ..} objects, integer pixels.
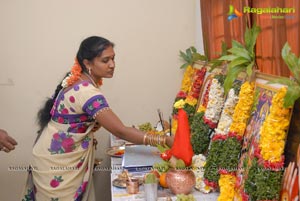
[{"x": 164, "y": 194}]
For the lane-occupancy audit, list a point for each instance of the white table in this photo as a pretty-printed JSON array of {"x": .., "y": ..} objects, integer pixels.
[{"x": 120, "y": 194}]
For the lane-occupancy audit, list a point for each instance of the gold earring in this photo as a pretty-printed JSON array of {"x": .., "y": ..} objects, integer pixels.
[{"x": 90, "y": 71}]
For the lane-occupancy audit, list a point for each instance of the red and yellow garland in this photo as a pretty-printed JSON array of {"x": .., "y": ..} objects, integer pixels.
[{"x": 237, "y": 129}]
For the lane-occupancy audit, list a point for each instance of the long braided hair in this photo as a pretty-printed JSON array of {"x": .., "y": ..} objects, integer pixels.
[{"x": 90, "y": 48}]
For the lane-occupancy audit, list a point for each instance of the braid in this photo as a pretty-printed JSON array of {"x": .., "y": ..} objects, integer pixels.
[{"x": 44, "y": 116}]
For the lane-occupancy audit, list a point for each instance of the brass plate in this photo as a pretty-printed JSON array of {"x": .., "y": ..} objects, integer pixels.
[{"x": 121, "y": 183}]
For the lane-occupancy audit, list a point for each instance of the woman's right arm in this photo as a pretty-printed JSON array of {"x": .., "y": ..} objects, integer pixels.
[{"x": 111, "y": 122}]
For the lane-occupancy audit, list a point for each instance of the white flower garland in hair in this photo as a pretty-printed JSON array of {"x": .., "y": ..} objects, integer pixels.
[
  {"x": 64, "y": 83},
  {"x": 215, "y": 102},
  {"x": 227, "y": 113}
]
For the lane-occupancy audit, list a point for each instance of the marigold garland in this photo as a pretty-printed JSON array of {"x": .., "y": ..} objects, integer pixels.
[
  {"x": 273, "y": 132},
  {"x": 187, "y": 80},
  {"x": 226, "y": 183},
  {"x": 74, "y": 75},
  {"x": 242, "y": 109},
  {"x": 228, "y": 161}
]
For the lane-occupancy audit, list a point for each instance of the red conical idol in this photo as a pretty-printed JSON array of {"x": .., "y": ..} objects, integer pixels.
[{"x": 182, "y": 147}]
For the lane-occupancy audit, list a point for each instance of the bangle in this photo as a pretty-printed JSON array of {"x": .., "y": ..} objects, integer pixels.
[
  {"x": 144, "y": 139},
  {"x": 154, "y": 139}
]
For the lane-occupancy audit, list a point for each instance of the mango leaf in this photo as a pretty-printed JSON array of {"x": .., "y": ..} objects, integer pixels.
[
  {"x": 241, "y": 52},
  {"x": 224, "y": 49},
  {"x": 193, "y": 49},
  {"x": 214, "y": 63},
  {"x": 185, "y": 65},
  {"x": 189, "y": 54},
  {"x": 249, "y": 69},
  {"x": 228, "y": 57},
  {"x": 238, "y": 62},
  {"x": 291, "y": 61},
  {"x": 231, "y": 76},
  {"x": 236, "y": 44},
  {"x": 184, "y": 56},
  {"x": 197, "y": 57},
  {"x": 251, "y": 36},
  {"x": 291, "y": 96}
]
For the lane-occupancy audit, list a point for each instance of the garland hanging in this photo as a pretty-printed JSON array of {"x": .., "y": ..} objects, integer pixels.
[{"x": 264, "y": 176}]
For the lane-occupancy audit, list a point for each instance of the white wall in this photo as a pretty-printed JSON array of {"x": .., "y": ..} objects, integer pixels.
[{"x": 39, "y": 40}]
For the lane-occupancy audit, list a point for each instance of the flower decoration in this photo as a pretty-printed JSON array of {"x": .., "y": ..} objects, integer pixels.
[
  {"x": 198, "y": 82},
  {"x": 197, "y": 167},
  {"x": 269, "y": 159},
  {"x": 242, "y": 109},
  {"x": 187, "y": 79},
  {"x": 215, "y": 102},
  {"x": 225, "y": 148},
  {"x": 274, "y": 129},
  {"x": 73, "y": 76},
  {"x": 226, "y": 183},
  {"x": 227, "y": 113}
]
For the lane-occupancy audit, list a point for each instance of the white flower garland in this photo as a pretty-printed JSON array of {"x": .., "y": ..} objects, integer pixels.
[
  {"x": 215, "y": 102},
  {"x": 227, "y": 113},
  {"x": 198, "y": 169}
]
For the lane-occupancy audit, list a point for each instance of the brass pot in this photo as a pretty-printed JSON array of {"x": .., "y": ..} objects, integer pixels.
[{"x": 180, "y": 181}]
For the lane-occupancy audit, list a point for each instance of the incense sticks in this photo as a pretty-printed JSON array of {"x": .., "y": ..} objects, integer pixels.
[{"x": 161, "y": 119}]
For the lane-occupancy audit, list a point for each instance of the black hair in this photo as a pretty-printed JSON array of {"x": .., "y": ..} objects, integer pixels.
[{"x": 90, "y": 48}]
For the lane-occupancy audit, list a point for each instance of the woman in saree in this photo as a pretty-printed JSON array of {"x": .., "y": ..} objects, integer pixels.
[{"x": 63, "y": 155}]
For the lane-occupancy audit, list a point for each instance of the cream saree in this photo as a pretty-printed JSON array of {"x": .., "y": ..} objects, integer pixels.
[{"x": 63, "y": 157}]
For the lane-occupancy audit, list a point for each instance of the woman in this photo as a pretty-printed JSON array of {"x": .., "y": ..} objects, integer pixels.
[{"x": 64, "y": 153}]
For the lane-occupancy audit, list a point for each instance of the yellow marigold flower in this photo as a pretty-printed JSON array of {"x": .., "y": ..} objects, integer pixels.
[
  {"x": 187, "y": 79},
  {"x": 179, "y": 104},
  {"x": 201, "y": 108},
  {"x": 242, "y": 109},
  {"x": 226, "y": 183},
  {"x": 273, "y": 131},
  {"x": 191, "y": 100}
]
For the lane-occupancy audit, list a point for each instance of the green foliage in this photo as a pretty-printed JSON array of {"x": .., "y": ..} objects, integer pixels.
[
  {"x": 180, "y": 164},
  {"x": 263, "y": 184},
  {"x": 293, "y": 63},
  {"x": 190, "y": 110},
  {"x": 237, "y": 87},
  {"x": 145, "y": 127},
  {"x": 220, "y": 78},
  {"x": 216, "y": 62},
  {"x": 242, "y": 57},
  {"x": 163, "y": 148},
  {"x": 200, "y": 134},
  {"x": 162, "y": 166},
  {"x": 229, "y": 156},
  {"x": 150, "y": 178},
  {"x": 213, "y": 161},
  {"x": 190, "y": 56}
]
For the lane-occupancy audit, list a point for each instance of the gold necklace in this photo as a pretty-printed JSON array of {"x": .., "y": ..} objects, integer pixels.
[{"x": 92, "y": 80}]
